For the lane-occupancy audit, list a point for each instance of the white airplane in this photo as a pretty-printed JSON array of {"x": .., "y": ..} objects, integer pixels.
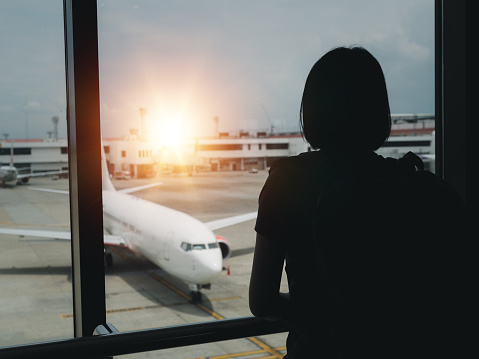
[
  {"x": 9, "y": 173},
  {"x": 176, "y": 242}
]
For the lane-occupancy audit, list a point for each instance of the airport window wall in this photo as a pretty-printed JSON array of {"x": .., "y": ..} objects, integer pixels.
[
  {"x": 174, "y": 71},
  {"x": 156, "y": 62}
]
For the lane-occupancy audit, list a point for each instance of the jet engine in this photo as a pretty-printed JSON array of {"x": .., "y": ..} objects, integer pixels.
[{"x": 224, "y": 246}]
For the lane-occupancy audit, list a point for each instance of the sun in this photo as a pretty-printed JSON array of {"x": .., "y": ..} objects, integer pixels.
[{"x": 170, "y": 132}]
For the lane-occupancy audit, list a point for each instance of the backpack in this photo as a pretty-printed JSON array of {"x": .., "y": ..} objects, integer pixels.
[{"x": 382, "y": 240}]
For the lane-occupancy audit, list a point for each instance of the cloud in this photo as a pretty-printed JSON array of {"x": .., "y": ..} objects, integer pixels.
[
  {"x": 33, "y": 105},
  {"x": 412, "y": 50},
  {"x": 214, "y": 58},
  {"x": 7, "y": 108}
]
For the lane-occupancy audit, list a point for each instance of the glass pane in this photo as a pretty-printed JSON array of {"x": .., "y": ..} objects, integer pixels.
[
  {"x": 199, "y": 98},
  {"x": 35, "y": 271}
]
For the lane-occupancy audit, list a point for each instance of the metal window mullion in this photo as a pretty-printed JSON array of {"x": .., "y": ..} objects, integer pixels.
[
  {"x": 84, "y": 143},
  {"x": 452, "y": 62},
  {"x": 438, "y": 87}
]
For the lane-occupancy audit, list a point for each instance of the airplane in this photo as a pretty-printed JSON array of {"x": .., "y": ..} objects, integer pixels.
[
  {"x": 181, "y": 245},
  {"x": 9, "y": 173}
]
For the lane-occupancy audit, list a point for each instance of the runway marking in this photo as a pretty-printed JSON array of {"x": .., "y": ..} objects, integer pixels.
[
  {"x": 154, "y": 306},
  {"x": 249, "y": 353},
  {"x": 265, "y": 348},
  {"x": 167, "y": 284},
  {"x": 274, "y": 353}
]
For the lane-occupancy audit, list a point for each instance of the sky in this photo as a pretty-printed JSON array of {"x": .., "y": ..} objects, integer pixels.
[{"x": 186, "y": 62}]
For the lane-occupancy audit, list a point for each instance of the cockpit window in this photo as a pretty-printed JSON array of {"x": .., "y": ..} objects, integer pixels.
[
  {"x": 186, "y": 246},
  {"x": 197, "y": 247}
]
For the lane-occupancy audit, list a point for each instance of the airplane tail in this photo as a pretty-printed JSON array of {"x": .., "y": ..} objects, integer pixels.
[{"x": 105, "y": 175}]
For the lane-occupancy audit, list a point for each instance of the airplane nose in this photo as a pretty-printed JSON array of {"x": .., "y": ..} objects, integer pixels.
[{"x": 208, "y": 266}]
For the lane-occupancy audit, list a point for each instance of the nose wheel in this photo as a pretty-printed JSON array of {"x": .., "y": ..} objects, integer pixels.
[
  {"x": 195, "y": 293},
  {"x": 196, "y": 297}
]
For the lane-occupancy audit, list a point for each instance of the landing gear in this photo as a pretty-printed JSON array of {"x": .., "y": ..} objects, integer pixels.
[
  {"x": 195, "y": 293},
  {"x": 196, "y": 297}
]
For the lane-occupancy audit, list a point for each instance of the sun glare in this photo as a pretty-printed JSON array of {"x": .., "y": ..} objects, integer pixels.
[{"x": 170, "y": 132}]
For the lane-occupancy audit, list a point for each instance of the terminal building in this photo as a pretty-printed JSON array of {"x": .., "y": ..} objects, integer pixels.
[
  {"x": 249, "y": 151},
  {"x": 131, "y": 157},
  {"x": 227, "y": 153},
  {"x": 35, "y": 155}
]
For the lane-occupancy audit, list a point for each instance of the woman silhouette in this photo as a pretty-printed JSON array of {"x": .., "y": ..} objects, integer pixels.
[{"x": 365, "y": 278}]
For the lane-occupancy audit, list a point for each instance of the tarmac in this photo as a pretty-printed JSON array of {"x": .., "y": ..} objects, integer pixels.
[{"x": 35, "y": 274}]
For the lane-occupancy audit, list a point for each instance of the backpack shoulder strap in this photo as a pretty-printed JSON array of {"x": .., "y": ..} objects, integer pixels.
[{"x": 409, "y": 160}]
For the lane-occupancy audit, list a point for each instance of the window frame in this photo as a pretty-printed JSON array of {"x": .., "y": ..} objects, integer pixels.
[
  {"x": 84, "y": 156},
  {"x": 454, "y": 154}
]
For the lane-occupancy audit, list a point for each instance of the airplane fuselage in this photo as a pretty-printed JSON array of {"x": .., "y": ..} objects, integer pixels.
[{"x": 178, "y": 243}]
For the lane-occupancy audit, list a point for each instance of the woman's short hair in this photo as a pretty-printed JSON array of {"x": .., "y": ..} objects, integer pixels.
[{"x": 345, "y": 101}]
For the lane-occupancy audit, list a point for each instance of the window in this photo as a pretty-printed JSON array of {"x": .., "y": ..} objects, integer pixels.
[
  {"x": 186, "y": 246},
  {"x": 123, "y": 154},
  {"x": 5, "y": 151},
  {"x": 410, "y": 143},
  {"x": 92, "y": 275},
  {"x": 220, "y": 147},
  {"x": 200, "y": 81},
  {"x": 277, "y": 146},
  {"x": 35, "y": 272}
]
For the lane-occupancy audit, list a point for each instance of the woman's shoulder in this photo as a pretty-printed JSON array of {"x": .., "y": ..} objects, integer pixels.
[
  {"x": 292, "y": 178},
  {"x": 288, "y": 196},
  {"x": 302, "y": 162}
]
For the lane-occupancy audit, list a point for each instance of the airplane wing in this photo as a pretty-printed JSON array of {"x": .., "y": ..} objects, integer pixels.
[
  {"x": 229, "y": 221},
  {"x": 213, "y": 225},
  {"x": 115, "y": 241},
  {"x": 40, "y": 174},
  {"x": 139, "y": 188},
  {"x": 108, "y": 239},
  {"x": 125, "y": 190},
  {"x": 49, "y": 190},
  {"x": 35, "y": 233}
]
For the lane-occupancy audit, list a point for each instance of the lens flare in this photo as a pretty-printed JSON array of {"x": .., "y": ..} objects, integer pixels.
[
  {"x": 168, "y": 132},
  {"x": 171, "y": 133}
]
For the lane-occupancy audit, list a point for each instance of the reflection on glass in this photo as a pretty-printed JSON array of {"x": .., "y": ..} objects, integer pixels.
[
  {"x": 35, "y": 268},
  {"x": 198, "y": 99}
]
